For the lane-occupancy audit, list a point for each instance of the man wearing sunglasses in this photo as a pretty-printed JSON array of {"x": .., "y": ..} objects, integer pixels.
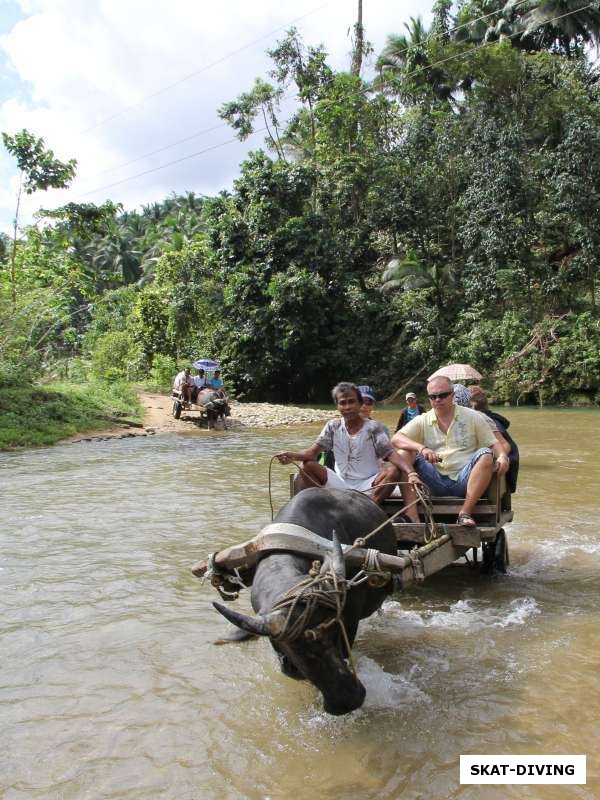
[{"x": 452, "y": 449}]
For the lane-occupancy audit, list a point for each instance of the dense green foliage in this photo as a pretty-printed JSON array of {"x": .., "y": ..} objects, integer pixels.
[
  {"x": 35, "y": 416},
  {"x": 446, "y": 210}
]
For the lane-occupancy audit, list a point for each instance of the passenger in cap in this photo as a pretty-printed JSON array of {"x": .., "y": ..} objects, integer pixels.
[
  {"x": 462, "y": 397},
  {"x": 412, "y": 410},
  {"x": 368, "y": 401}
]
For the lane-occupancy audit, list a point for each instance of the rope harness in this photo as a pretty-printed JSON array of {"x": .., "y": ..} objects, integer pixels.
[
  {"x": 323, "y": 587},
  {"x": 219, "y": 579}
]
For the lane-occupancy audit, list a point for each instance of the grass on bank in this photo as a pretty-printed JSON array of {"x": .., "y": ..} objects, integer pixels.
[{"x": 32, "y": 416}]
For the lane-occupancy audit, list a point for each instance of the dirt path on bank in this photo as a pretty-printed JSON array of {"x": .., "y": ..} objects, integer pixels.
[{"x": 158, "y": 418}]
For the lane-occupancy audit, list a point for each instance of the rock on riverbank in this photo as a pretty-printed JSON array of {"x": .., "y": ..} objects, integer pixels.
[
  {"x": 268, "y": 415},
  {"x": 158, "y": 418}
]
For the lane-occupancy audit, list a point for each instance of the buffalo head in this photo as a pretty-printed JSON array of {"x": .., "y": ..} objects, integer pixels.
[{"x": 309, "y": 647}]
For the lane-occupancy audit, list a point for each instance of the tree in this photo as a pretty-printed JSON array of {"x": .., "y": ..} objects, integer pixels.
[
  {"x": 561, "y": 26},
  {"x": 406, "y": 65},
  {"x": 39, "y": 170},
  {"x": 306, "y": 67},
  {"x": 263, "y": 99},
  {"x": 565, "y": 26},
  {"x": 359, "y": 42}
]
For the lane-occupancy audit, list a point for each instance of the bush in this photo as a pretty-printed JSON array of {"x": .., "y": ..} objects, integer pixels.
[
  {"x": 560, "y": 358},
  {"x": 162, "y": 372},
  {"x": 113, "y": 358},
  {"x": 34, "y": 416}
]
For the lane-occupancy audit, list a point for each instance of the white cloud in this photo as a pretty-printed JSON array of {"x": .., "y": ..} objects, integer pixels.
[{"x": 88, "y": 72}]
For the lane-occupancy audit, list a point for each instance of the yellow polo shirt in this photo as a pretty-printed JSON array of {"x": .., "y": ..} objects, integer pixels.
[{"x": 468, "y": 432}]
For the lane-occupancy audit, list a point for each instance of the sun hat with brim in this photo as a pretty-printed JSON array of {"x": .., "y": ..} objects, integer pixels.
[
  {"x": 367, "y": 391},
  {"x": 411, "y": 395}
]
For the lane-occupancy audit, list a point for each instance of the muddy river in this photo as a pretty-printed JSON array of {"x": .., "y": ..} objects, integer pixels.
[{"x": 110, "y": 686}]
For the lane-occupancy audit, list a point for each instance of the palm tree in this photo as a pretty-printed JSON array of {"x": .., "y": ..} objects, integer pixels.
[
  {"x": 492, "y": 20},
  {"x": 565, "y": 26},
  {"x": 404, "y": 65},
  {"x": 118, "y": 254},
  {"x": 406, "y": 274},
  {"x": 562, "y": 26}
]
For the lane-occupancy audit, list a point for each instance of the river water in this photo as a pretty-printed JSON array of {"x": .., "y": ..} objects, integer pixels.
[{"x": 110, "y": 686}]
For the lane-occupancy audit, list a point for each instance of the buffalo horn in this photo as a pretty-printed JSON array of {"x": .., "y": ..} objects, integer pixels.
[
  {"x": 260, "y": 625},
  {"x": 337, "y": 557}
]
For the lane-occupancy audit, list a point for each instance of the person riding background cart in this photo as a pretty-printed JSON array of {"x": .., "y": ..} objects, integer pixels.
[
  {"x": 199, "y": 383},
  {"x": 216, "y": 383},
  {"x": 182, "y": 384}
]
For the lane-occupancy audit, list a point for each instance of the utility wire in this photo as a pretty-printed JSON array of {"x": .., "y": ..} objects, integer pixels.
[
  {"x": 201, "y": 70},
  {"x": 169, "y": 164},
  {"x": 486, "y": 44},
  {"x": 284, "y": 97},
  {"x": 431, "y": 35},
  {"x": 363, "y": 91},
  {"x": 159, "y": 150}
]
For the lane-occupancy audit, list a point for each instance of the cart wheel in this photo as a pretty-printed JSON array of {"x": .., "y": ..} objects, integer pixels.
[
  {"x": 495, "y": 555},
  {"x": 176, "y": 409}
]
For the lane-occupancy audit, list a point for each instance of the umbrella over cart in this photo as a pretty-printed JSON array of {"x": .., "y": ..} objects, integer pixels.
[
  {"x": 207, "y": 364},
  {"x": 457, "y": 372}
]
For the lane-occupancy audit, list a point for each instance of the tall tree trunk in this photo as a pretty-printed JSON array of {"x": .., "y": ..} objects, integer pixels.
[
  {"x": 592, "y": 279},
  {"x": 13, "y": 256},
  {"x": 359, "y": 41}
]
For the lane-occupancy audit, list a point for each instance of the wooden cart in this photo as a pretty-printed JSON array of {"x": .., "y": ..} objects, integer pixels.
[
  {"x": 205, "y": 412},
  {"x": 450, "y": 541},
  {"x": 424, "y": 548}
]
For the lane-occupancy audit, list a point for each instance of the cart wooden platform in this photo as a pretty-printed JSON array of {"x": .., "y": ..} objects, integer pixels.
[
  {"x": 424, "y": 548},
  {"x": 205, "y": 412},
  {"x": 453, "y": 541}
]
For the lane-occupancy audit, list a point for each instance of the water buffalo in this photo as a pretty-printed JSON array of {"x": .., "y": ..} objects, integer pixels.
[
  {"x": 214, "y": 404},
  {"x": 322, "y": 660}
]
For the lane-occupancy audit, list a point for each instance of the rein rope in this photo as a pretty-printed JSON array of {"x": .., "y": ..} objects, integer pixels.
[
  {"x": 320, "y": 588},
  {"x": 323, "y": 587},
  {"x": 421, "y": 490}
]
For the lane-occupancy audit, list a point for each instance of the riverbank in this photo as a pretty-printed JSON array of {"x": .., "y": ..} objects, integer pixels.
[
  {"x": 34, "y": 416},
  {"x": 158, "y": 418},
  {"x": 158, "y": 415}
]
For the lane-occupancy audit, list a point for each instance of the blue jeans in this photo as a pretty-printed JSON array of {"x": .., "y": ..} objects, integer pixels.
[{"x": 441, "y": 485}]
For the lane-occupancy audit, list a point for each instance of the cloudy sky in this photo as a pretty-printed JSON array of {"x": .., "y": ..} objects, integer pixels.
[{"x": 129, "y": 86}]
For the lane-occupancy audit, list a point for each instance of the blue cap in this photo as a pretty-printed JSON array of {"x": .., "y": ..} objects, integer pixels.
[{"x": 367, "y": 391}]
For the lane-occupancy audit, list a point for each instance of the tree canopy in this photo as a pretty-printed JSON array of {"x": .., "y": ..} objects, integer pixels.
[{"x": 444, "y": 209}]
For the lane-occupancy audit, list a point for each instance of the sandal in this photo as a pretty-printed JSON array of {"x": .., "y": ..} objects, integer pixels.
[{"x": 466, "y": 520}]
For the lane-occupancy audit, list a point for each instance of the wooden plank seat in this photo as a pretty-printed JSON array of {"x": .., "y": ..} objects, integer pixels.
[
  {"x": 418, "y": 533},
  {"x": 491, "y": 513}
]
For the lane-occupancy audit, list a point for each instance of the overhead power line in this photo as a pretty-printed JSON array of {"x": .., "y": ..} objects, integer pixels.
[
  {"x": 168, "y": 164},
  {"x": 287, "y": 96},
  {"x": 202, "y": 69},
  {"x": 486, "y": 44},
  {"x": 367, "y": 90},
  {"x": 161, "y": 149}
]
